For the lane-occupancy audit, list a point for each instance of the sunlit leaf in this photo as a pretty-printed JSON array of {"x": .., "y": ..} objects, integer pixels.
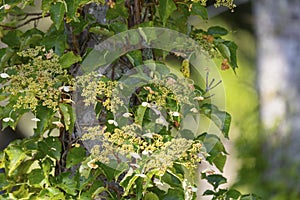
[
  {"x": 51, "y": 193},
  {"x": 215, "y": 180},
  {"x": 165, "y": 9},
  {"x": 75, "y": 156},
  {"x": 221, "y": 118},
  {"x": 199, "y": 10},
  {"x": 68, "y": 116},
  {"x": 232, "y": 48},
  {"x": 217, "y": 31},
  {"x": 57, "y": 11},
  {"x": 151, "y": 196},
  {"x": 66, "y": 183},
  {"x": 51, "y": 146},
  {"x": 173, "y": 194},
  {"x": 44, "y": 115},
  {"x": 12, "y": 38},
  {"x": 69, "y": 59},
  {"x": 119, "y": 10},
  {"x": 36, "y": 177},
  {"x": 232, "y": 193},
  {"x": 139, "y": 117},
  {"x": 16, "y": 156}
]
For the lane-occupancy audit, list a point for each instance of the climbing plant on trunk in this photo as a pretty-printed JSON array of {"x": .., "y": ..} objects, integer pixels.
[{"x": 102, "y": 76}]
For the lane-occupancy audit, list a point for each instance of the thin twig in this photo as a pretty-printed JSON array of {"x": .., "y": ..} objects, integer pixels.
[
  {"x": 26, "y": 14},
  {"x": 24, "y": 23}
]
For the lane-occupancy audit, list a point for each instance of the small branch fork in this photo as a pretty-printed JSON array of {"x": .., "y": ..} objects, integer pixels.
[{"x": 210, "y": 85}]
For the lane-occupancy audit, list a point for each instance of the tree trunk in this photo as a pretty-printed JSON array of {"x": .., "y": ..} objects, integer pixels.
[{"x": 278, "y": 50}]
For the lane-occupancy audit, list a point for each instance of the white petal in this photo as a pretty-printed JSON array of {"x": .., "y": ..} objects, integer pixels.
[
  {"x": 6, "y": 6},
  {"x": 7, "y": 119},
  {"x": 157, "y": 182},
  {"x": 194, "y": 110},
  {"x": 111, "y": 121},
  {"x": 4, "y": 75},
  {"x": 145, "y": 104},
  {"x": 92, "y": 164},
  {"x": 66, "y": 88},
  {"x": 148, "y": 135},
  {"x": 159, "y": 121},
  {"x": 35, "y": 119},
  {"x": 176, "y": 114},
  {"x": 135, "y": 155},
  {"x": 200, "y": 98},
  {"x": 127, "y": 115}
]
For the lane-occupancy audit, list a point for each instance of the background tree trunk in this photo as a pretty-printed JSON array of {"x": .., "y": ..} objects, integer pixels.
[{"x": 278, "y": 50}]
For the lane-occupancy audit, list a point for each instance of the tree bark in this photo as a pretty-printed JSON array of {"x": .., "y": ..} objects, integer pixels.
[{"x": 278, "y": 50}]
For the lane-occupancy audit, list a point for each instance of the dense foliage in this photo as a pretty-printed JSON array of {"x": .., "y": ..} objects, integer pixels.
[{"x": 141, "y": 148}]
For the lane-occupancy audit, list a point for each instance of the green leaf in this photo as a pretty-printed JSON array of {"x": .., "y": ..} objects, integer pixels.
[
  {"x": 57, "y": 11},
  {"x": 72, "y": 6},
  {"x": 217, "y": 31},
  {"x": 69, "y": 59},
  {"x": 119, "y": 10},
  {"x": 216, "y": 180},
  {"x": 84, "y": 169},
  {"x": 45, "y": 115},
  {"x": 127, "y": 182},
  {"x": 2, "y": 159},
  {"x": 151, "y": 196},
  {"x": 36, "y": 177},
  {"x": 224, "y": 50},
  {"x": 50, "y": 146},
  {"x": 208, "y": 192},
  {"x": 68, "y": 116},
  {"x": 108, "y": 171},
  {"x": 199, "y": 10},
  {"x": 165, "y": 9},
  {"x": 139, "y": 188},
  {"x": 118, "y": 27},
  {"x": 47, "y": 166},
  {"x": 12, "y": 38},
  {"x": 31, "y": 38},
  {"x": 139, "y": 116},
  {"x": 102, "y": 31},
  {"x": 221, "y": 118},
  {"x": 16, "y": 156},
  {"x": 171, "y": 180},
  {"x": 232, "y": 193},
  {"x": 66, "y": 183},
  {"x": 232, "y": 48},
  {"x": 46, "y": 6},
  {"x": 96, "y": 188},
  {"x": 6, "y": 55},
  {"x": 135, "y": 57},
  {"x": 250, "y": 197},
  {"x": 3, "y": 181},
  {"x": 215, "y": 148},
  {"x": 21, "y": 193},
  {"x": 75, "y": 156},
  {"x": 55, "y": 38},
  {"x": 51, "y": 193},
  {"x": 219, "y": 160},
  {"x": 174, "y": 194}
]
